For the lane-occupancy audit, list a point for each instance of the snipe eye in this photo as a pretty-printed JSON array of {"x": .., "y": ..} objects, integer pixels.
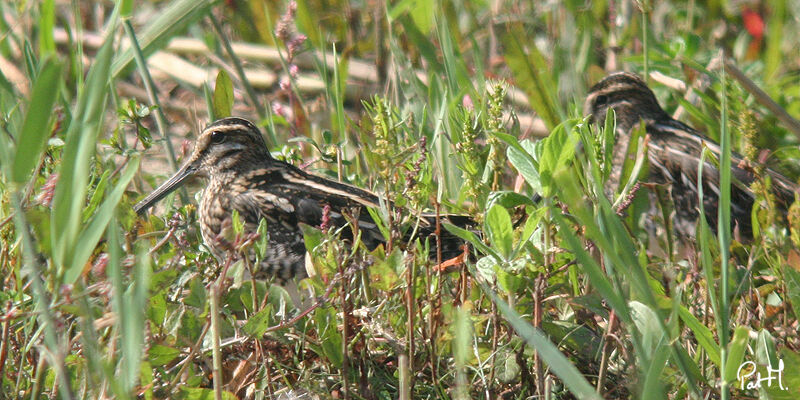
[
  {"x": 601, "y": 100},
  {"x": 217, "y": 137}
]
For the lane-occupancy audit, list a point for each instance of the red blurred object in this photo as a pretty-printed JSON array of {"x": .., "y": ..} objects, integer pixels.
[{"x": 753, "y": 23}]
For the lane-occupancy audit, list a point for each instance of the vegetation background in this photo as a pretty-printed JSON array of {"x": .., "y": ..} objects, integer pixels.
[{"x": 437, "y": 105}]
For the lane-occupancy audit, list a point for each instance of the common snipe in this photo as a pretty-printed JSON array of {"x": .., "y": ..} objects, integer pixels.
[
  {"x": 243, "y": 176},
  {"x": 674, "y": 156}
]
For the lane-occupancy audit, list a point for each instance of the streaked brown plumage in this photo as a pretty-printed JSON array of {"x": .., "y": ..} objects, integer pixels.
[
  {"x": 674, "y": 155},
  {"x": 243, "y": 176}
]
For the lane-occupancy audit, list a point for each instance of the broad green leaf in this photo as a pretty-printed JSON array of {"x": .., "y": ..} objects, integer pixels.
[
  {"x": 526, "y": 166},
  {"x": 258, "y": 324},
  {"x": 197, "y": 295},
  {"x": 472, "y": 239},
  {"x": 421, "y": 12},
  {"x": 788, "y": 388},
  {"x": 652, "y": 386},
  {"x": 125, "y": 8},
  {"x": 157, "y": 309},
  {"x": 765, "y": 351},
  {"x": 330, "y": 339},
  {"x": 223, "y": 95},
  {"x": 236, "y": 222},
  {"x": 161, "y": 355},
  {"x": 558, "y": 151},
  {"x": 499, "y": 229},
  {"x": 509, "y": 199}
]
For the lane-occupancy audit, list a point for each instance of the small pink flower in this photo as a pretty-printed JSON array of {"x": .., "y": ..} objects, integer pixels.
[
  {"x": 45, "y": 197},
  {"x": 285, "y": 84},
  {"x": 99, "y": 266},
  {"x": 466, "y": 101},
  {"x": 326, "y": 218},
  {"x": 294, "y": 45},
  {"x": 278, "y": 109}
]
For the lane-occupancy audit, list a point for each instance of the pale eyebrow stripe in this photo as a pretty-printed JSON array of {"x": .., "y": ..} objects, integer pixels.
[{"x": 226, "y": 128}]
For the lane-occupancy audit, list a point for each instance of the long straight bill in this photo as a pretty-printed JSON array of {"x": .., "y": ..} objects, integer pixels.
[{"x": 166, "y": 188}]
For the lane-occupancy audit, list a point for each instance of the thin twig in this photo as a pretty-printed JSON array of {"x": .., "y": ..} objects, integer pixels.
[
  {"x": 164, "y": 240},
  {"x": 601, "y": 377},
  {"x": 320, "y": 301}
]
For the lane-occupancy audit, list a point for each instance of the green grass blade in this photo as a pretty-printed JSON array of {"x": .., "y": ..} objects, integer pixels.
[
  {"x": 35, "y": 132},
  {"x": 595, "y": 273},
  {"x": 307, "y": 24},
  {"x": 704, "y": 336},
  {"x": 81, "y": 139},
  {"x": 724, "y": 237},
  {"x": 172, "y": 20},
  {"x": 560, "y": 365},
  {"x": 47, "y": 45},
  {"x": 530, "y": 72},
  {"x": 133, "y": 319},
  {"x": 91, "y": 235},
  {"x": 52, "y": 341},
  {"x": 120, "y": 384},
  {"x": 736, "y": 350}
]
